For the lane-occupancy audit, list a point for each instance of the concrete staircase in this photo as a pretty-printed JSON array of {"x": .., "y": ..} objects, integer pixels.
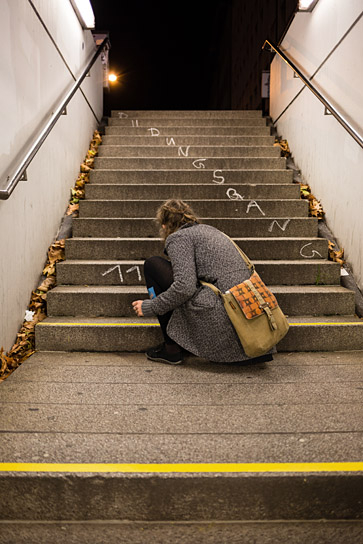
[
  {"x": 223, "y": 163},
  {"x": 103, "y": 446}
]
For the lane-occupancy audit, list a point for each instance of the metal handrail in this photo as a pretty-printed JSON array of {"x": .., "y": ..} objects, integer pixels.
[
  {"x": 338, "y": 116},
  {"x": 11, "y": 182}
]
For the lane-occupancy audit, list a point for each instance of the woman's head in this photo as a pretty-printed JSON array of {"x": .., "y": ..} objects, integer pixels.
[{"x": 172, "y": 214}]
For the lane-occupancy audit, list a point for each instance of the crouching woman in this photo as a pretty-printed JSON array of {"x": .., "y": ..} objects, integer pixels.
[{"x": 191, "y": 316}]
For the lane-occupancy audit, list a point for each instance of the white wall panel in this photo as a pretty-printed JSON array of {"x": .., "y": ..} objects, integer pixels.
[
  {"x": 34, "y": 79},
  {"x": 329, "y": 158}
]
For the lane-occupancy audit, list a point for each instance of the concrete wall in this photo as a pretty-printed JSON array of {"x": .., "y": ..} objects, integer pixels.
[
  {"x": 328, "y": 43},
  {"x": 34, "y": 78},
  {"x": 239, "y": 59}
]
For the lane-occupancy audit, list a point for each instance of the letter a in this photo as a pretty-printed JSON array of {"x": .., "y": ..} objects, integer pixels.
[{"x": 253, "y": 204}]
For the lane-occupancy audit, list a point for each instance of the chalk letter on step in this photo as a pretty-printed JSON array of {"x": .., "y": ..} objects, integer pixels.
[
  {"x": 282, "y": 227},
  {"x": 182, "y": 152},
  {"x": 253, "y": 204},
  {"x": 170, "y": 141},
  {"x": 117, "y": 267},
  {"x": 121, "y": 115},
  {"x": 154, "y": 131},
  {"x": 314, "y": 252},
  {"x": 137, "y": 268},
  {"x": 198, "y": 163},
  {"x": 218, "y": 179},
  {"x": 233, "y": 195}
]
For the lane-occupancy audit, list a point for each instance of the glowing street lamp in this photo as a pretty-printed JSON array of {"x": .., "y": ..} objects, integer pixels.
[{"x": 112, "y": 78}]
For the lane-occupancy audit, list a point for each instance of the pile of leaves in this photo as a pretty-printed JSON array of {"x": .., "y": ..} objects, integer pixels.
[
  {"x": 336, "y": 255},
  {"x": 315, "y": 207},
  {"x": 78, "y": 192},
  {"x": 24, "y": 346},
  {"x": 284, "y": 146},
  {"x": 37, "y": 311}
]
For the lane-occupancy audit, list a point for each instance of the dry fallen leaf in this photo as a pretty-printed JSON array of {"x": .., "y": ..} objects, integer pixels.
[
  {"x": 315, "y": 207},
  {"x": 336, "y": 255},
  {"x": 24, "y": 345},
  {"x": 284, "y": 146},
  {"x": 72, "y": 208}
]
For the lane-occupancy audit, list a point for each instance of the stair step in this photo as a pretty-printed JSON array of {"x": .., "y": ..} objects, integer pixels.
[
  {"x": 187, "y": 122},
  {"x": 146, "y": 227},
  {"x": 76, "y": 272},
  {"x": 188, "y": 140},
  {"x": 188, "y": 163},
  {"x": 198, "y": 532},
  {"x": 322, "y": 333},
  {"x": 191, "y": 114},
  {"x": 187, "y": 151},
  {"x": 256, "y": 227},
  {"x": 105, "y": 300},
  {"x": 155, "y": 132},
  {"x": 199, "y": 176},
  {"x": 141, "y": 248},
  {"x": 101, "y": 191},
  {"x": 203, "y": 208}
]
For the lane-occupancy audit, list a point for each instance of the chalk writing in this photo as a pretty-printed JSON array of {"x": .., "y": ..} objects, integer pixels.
[
  {"x": 198, "y": 163},
  {"x": 218, "y": 179},
  {"x": 170, "y": 141},
  {"x": 154, "y": 131},
  {"x": 253, "y": 204},
  {"x": 282, "y": 227},
  {"x": 121, "y": 115},
  {"x": 117, "y": 267},
  {"x": 233, "y": 195},
  {"x": 183, "y": 152},
  {"x": 135, "y": 122},
  {"x": 314, "y": 252},
  {"x": 137, "y": 268}
]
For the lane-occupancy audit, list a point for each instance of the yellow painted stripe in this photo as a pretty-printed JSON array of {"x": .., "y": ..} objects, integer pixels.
[
  {"x": 101, "y": 324},
  {"x": 182, "y": 467},
  {"x": 323, "y": 323},
  {"x": 157, "y": 324}
]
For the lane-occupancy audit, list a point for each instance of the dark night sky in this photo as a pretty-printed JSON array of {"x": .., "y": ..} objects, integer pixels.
[{"x": 165, "y": 51}]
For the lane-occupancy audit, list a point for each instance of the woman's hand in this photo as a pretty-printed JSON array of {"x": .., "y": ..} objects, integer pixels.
[{"x": 137, "y": 307}]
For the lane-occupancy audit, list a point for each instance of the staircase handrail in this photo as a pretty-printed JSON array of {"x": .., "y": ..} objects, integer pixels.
[
  {"x": 12, "y": 181},
  {"x": 329, "y": 107}
]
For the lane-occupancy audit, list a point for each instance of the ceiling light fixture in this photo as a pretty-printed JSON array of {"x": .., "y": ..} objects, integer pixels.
[
  {"x": 307, "y": 5},
  {"x": 84, "y": 13}
]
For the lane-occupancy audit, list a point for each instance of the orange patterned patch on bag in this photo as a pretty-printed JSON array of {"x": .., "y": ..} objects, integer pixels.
[{"x": 247, "y": 300}]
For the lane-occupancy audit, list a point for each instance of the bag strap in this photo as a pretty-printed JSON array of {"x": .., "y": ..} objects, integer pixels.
[
  {"x": 249, "y": 264},
  {"x": 263, "y": 305},
  {"x": 213, "y": 287}
]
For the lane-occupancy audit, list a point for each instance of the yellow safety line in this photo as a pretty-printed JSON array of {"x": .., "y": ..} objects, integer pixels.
[
  {"x": 157, "y": 324},
  {"x": 103, "y": 324},
  {"x": 322, "y": 323},
  {"x": 182, "y": 467}
]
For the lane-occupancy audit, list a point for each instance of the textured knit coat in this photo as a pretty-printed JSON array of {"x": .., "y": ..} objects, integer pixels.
[{"x": 199, "y": 322}]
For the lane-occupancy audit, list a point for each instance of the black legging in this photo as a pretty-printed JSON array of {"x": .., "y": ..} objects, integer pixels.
[{"x": 159, "y": 275}]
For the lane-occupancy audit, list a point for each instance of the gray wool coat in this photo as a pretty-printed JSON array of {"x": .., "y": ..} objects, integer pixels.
[{"x": 199, "y": 322}]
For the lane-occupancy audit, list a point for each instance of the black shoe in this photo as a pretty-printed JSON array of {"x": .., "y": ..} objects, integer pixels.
[
  {"x": 261, "y": 359},
  {"x": 161, "y": 355}
]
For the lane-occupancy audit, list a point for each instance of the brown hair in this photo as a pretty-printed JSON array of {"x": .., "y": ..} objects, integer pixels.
[{"x": 173, "y": 214}]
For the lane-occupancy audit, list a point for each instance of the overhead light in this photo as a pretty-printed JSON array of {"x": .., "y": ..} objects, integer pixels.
[
  {"x": 307, "y": 5},
  {"x": 84, "y": 13},
  {"x": 112, "y": 78}
]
